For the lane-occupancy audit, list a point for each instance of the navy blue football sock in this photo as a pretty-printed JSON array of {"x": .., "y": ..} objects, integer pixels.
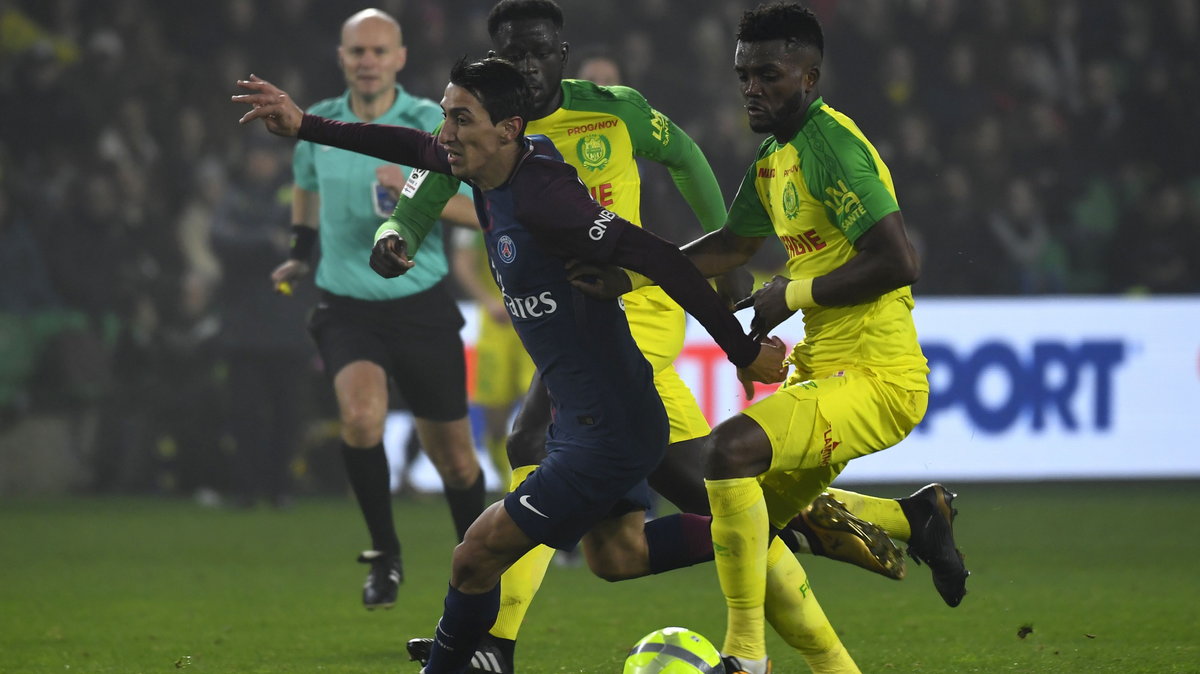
[
  {"x": 465, "y": 619},
  {"x": 677, "y": 541}
]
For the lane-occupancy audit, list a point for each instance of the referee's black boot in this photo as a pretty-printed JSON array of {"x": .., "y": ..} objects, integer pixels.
[{"x": 383, "y": 580}]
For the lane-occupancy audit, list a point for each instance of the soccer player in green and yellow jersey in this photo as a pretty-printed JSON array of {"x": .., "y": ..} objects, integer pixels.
[{"x": 859, "y": 384}]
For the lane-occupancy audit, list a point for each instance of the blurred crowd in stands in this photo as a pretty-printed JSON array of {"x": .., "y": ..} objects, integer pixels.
[{"x": 1037, "y": 146}]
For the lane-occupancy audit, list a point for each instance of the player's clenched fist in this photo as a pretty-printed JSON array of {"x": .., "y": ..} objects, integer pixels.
[
  {"x": 389, "y": 256},
  {"x": 270, "y": 104},
  {"x": 767, "y": 368}
]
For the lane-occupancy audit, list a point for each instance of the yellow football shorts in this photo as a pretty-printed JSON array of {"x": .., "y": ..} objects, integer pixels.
[
  {"x": 658, "y": 325},
  {"x": 503, "y": 369},
  {"x": 817, "y": 426}
]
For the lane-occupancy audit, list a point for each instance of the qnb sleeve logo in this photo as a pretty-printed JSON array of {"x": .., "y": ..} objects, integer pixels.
[
  {"x": 600, "y": 225},
  {"x": 999, "y": 387}
]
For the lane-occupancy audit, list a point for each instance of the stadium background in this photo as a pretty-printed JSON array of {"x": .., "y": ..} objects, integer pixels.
[
  {"x": 1044, "y": 157},
  {"x": 1039, "y": 148}
]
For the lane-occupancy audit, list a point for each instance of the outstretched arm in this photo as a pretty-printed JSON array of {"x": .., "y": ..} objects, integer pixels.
[
  {"x": 396, "y": 144},
  {"x": 561, "y": 214},
  {"x": 270, "y": 104},
  {"x": 718, "y": 252},
  {"x": 759, "y": 358},
  {"x": 713, "y": 254}
]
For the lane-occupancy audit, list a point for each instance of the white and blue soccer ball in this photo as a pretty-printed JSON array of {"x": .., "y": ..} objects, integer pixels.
[{"x": 674, "y": 650}]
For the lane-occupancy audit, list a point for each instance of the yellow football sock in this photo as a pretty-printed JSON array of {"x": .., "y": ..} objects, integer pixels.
[
  {"x": 521, "y": 581},
  {"x": 518, "y": 585},
  {"x": 499, "y": 455},
  {"x": 794, "y": 613},
  {"x": 882, "y": 512},
  {"x": 739, "y": 533}
]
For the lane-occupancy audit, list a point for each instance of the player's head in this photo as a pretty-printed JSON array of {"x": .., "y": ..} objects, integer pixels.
[
  {"x": 371, "y": 53},
  {"x": 527, "y": 33},
  {"x": 485, "y": 106},
  {"x": 778, "y": 62},
  {"x": 599, "y": 67}
]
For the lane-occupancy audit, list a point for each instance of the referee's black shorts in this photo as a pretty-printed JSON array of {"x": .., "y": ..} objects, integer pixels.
[{"x": 415, "y": 339}]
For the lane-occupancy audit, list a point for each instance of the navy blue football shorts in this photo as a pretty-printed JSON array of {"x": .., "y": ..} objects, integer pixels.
[
  {"x": 414, "y": 339},
  {"x": 576, "y": 487}
]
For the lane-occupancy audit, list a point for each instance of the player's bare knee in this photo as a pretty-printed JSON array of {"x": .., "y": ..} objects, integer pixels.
[
  {"x": 467, "y": 568},
  {"x": 458, "y": 467},
  {"x": 611, "y": 565},
  {"x": 361, "y": 428},
  {"x": 475, "y": 566},
  {"x": 735, "y": 452}
]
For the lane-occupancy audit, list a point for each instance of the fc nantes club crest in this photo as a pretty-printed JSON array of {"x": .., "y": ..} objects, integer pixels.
[
  {"x": 594, "y": 151},
  {"x": 791, "y": 201}
]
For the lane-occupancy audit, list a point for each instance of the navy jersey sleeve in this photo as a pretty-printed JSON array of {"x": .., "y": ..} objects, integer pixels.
[
  {"x": 558, "y": 210},
  {"x": 552, "y": 203},
  {"x": 395, "y": 144}
]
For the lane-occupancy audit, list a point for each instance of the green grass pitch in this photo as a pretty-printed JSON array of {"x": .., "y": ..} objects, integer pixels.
[{"x": 1105, "y": 576}]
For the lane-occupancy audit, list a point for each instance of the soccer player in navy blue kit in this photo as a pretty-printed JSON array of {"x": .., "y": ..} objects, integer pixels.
[{"x": 609, "y": 429}]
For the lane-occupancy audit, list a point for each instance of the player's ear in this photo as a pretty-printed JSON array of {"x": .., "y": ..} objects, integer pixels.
[
  {"x": 511, "y": 128},
  {"x": 565, "y": 49}
]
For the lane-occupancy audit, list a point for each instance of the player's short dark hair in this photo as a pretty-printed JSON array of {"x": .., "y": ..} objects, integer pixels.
[
  {"x": 782, "y": 21},
  {"x": 516, "y": 10},
  {"x": 497, "y": 84}
]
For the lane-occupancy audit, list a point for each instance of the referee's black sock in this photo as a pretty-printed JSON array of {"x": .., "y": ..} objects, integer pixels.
[
  {"x": 367, "y": 469},
  {"x": 465, "y": 505}
]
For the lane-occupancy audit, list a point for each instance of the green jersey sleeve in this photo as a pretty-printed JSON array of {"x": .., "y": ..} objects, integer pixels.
[
  {"x": 660, "y": 140},
  {"x": 420, "y": 205},
  {"x": 850, "y": 179},
  {"x": 747, "y": 216}
]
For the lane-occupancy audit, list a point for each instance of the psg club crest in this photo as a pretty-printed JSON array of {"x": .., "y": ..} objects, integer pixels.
[{"x": 506, "y": 248}]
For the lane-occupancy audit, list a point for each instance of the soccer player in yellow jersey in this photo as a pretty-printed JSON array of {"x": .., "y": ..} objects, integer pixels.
[{"x": 859, "y": 384}]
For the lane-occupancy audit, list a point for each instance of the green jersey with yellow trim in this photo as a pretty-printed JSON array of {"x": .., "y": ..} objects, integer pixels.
[{"x": 818, "y": 193}]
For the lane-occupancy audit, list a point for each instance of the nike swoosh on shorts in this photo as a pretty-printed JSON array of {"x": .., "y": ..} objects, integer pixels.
[{"x": 525, "y": 502}]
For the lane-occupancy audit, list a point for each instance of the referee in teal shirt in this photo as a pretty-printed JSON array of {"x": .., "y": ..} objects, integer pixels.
[{"x": 368, "y": 328}]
